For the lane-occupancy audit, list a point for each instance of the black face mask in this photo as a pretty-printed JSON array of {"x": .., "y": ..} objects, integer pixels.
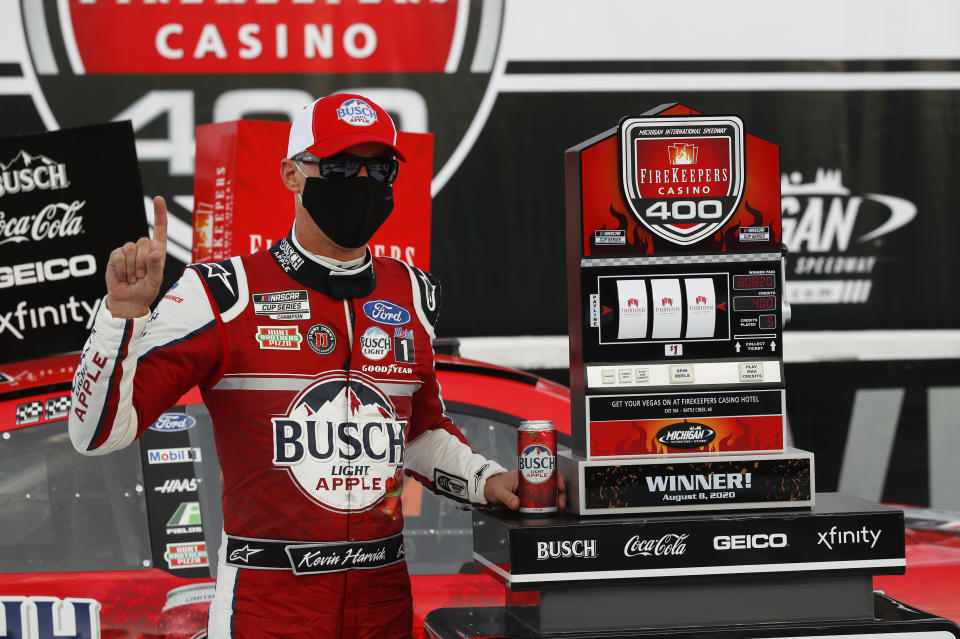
[{"x": 350, "y": 210}]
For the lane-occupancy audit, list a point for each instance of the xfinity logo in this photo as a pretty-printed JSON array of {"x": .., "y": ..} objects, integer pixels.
[
  {"x": 747, "y": 542},
  {"x": 579, "y": 548},
  {"x": 834, "y": 537},
  {"x": 669, "y": 544}
]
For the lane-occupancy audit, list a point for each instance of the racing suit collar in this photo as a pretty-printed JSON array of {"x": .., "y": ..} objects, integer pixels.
[{"x": 312, "y": 271}]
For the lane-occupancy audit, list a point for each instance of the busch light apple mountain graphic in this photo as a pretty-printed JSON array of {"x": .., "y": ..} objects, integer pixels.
[
  {"x": 67, "y": 199},
  {"x": 341, "y": 443}
]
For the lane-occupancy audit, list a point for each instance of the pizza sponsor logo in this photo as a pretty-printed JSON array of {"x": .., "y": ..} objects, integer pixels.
[
  {"x": 384, "y": 312},
  {"x": 374, "y": 343},
  {"x": 186, "y": 555},
  {"x": 173, "y": 455},
  {"x": 321, "y": 339},
  {"x": 342, "y": 464},
  {"x": 173, "y": 422},
  {"x": 282, "y": 305},
  {"x": 567, "y": 549},
  {"x": 285, "y": 338}
]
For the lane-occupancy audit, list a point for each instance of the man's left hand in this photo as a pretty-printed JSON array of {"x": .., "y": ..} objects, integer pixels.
[{"x": 502, "y": 489}]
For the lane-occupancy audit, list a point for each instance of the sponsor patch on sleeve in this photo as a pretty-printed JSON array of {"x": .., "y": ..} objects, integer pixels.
[{"x": 451, "y": 485}]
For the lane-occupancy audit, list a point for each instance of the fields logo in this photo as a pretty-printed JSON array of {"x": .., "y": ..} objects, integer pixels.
[
  {"x": 683, "y": 177},
  {"x": 832, "y": 233},
  {"x": 26, "y": 172},
  {"x": 185, "y": 519}
]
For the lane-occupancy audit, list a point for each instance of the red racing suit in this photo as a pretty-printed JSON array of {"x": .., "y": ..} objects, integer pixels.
[{"x": 322, "y": 392}]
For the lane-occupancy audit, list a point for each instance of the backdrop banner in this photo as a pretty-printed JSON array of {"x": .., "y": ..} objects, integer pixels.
[{"x": 67, "y": 199}]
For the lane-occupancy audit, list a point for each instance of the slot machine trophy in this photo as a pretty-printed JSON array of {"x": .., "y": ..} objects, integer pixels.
[{"x": 687, "y": 511}]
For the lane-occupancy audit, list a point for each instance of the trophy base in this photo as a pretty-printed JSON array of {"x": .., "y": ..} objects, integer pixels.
[{"x": 707, "y": 482}]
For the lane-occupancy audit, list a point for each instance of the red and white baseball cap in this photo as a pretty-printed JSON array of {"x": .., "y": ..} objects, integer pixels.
[{"x": 331, "y": 124}]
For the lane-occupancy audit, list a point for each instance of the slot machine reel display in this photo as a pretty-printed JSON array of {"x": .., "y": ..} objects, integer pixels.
[{"x": 675, "y": 280}]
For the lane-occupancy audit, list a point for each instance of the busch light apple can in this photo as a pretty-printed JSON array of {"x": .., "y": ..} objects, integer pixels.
[{"x": 537, "y": 463}]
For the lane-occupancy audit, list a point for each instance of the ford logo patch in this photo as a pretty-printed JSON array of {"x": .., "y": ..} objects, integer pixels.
[
  {"x": 170, "y": 422},
  {"x": 386, "y": 312}
]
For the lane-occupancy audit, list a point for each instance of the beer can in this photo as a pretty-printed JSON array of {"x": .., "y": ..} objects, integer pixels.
[{"x": 537, "y": 463}]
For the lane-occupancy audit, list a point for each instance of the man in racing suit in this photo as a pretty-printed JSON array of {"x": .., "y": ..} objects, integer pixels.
[{"x": 315, "y": 362}]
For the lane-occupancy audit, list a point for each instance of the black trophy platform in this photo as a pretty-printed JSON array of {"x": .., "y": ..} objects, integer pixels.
[{"x": 888, "y": 619}]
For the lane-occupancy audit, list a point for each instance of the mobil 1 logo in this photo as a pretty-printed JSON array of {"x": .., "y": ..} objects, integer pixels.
[
  {"x": 403, "y": 346},
  {"x": 683, "y": 177}
]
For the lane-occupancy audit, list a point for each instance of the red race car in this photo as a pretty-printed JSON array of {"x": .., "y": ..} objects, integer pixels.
[{"x": 119, "y": 546}]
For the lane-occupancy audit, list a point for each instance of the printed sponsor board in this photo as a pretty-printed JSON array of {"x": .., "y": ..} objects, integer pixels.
[
  {"x": 692, "y": 544},
  {"x": 61, "y": 213},
  {"x": 684, "y": 423},
  {"x": 627, "y": 485}
]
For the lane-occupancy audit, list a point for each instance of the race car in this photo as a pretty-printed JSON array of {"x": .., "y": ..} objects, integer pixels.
[{"x": 120, "y": 545}]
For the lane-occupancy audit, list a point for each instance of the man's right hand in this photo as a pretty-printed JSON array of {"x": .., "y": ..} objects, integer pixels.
[{"x": 135, "y": 270}]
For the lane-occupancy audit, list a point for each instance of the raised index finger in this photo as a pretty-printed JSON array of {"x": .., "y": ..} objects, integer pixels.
[{"x": 160, "y": 221}]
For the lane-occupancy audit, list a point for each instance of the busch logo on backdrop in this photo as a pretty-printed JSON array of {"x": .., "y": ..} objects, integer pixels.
[
  {"x": 342, "y": 445},
  {"x": 683, "y": 177},
  {"x": 830, "y": 233},
  {"x": 26, "y": 172}
]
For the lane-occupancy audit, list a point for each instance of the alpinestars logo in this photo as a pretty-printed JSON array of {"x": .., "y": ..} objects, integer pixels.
[
  {"x": 341, "y": 444},
  {"x": 26, "y": 172},
  {"x": 832, "y": 235}
]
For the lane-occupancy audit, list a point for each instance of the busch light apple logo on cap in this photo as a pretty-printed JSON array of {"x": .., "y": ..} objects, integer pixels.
[
  {"x": 356, "y": 112},
  {"x": 537, "y": 463},
  {"x": 341, "y": 443},
  {"x": 683, "y": 177}
]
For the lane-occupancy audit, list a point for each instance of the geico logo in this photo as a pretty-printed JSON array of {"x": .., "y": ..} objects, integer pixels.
[
  {"x": 746, "y": 542},
  {"x": 58, "y": 268},
  {"x": 584, "y": 548}
]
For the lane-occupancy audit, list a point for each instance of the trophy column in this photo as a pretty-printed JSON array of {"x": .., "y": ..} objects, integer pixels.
[{"x": 687, "y": 511}]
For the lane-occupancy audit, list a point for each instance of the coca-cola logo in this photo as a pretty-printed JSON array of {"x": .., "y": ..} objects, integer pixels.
[
  {"x": 56, "y": 220},
  {"x": 686, "y": 435},
  {"x": 669, "y": 544}
]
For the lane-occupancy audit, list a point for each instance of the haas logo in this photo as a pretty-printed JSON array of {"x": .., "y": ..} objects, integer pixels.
[
  {"x": 341, "y": 443},
  {"x": 701, "y": 299},
  {"x": 667, "y": 301},
  {"x": 633, "y": 302}
]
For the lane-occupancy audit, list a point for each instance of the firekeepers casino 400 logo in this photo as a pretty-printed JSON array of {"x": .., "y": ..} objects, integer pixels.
[
  {"x": 683, "y": 177},
  {"x": 341, "y": 443}
]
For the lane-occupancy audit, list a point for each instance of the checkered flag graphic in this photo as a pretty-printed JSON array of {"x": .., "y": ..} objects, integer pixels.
[
  {"x": 57, "y": 407},
  {"x": 29, "y": 413}
]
